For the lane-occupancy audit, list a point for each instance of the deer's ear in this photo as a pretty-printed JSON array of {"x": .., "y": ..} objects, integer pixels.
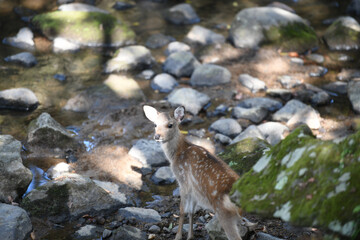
[
  {"x": 179, "y": 113},
  {"x": 151, "y": 113}
]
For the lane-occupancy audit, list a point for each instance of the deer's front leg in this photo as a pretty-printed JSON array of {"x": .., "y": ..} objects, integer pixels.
[
  {"x": 191, "y": 230},
  {"x": 181, "y": 220}
]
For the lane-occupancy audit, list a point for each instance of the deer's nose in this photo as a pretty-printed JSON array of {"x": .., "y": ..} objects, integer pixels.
[{"x": 157, "y": 136}]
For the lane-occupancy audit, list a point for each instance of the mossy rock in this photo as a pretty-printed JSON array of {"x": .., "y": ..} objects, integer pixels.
[
  {"x": 90, "y": 29},
  {"x": 306, "y": 181},
  {"x": 242, "y": 155}
]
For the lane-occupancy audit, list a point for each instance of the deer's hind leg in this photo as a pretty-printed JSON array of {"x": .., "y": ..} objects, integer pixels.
[{"x": 229, "y": 217}]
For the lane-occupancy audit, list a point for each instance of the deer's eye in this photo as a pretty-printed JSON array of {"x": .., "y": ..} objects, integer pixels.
[
  {"x": 170, "y": 125},
  {"x": 155, "y": 125}
]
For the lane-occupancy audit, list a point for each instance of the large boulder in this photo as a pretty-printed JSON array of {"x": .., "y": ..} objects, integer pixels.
[
  {"x": 91, "y": 29},
  {"x": 255, "y": 26},
  {"x": 15, "y": 177},
  {"x": 18, "y": 99},
  {"x": 210, "y": 75},
  {"x": 306, "y": 181},
  {"x": 69, "y": 197},
  {"x": 15, "y": 223},
  {"x": 129, "y": 58},
  {"x": 343, "y": 34},
  {"x": 192, "y": 100}
]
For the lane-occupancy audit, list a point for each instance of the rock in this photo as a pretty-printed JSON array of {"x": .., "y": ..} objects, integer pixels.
[
  {"x": 106, "y": 233},
  {"x": 242, "y": 155},
  {"x": 282, "y": 6},
  {"x": 348, "y": 74},
  {"x": 254, "y": 84},
  {"x": 88, "y": 232},
  {"x": 284, "y": 94},
  {"x": 59, "y": 169},
  {"x": 313, "y": 95},
  {"x": 117, "y": 192},
  {"x": 296, "y": 60},
  {"x": 293, "y": 166},
  {"x": 129, "y": 58},
  {"x": 289, "y": 82},
  {"x": 146, "y": 74},
  {"x": 354, "y": 8},
  {"x": 15, "y": 177},
  {"x": 255, "y": 114},
  {"x": 204, "y": 36},
  {"x": 18, "y": 99},
  {"x": 78, "y": 103},
  {"x": 182, "y": 14},
  {"x": 336, "y": 87},
  {"x": 149, "y": 153},
  {"x": 83, "y": 28},
  {"x": 180, "y": 64},
  {"x": 255, "y": 26},
  {"x": 296, "y": 112},
  {"x": 227, "y": 126},
  {"x": 60, "y": 77},
  {"x": 354, "y": 95},
  {"x": 267, "y": 103},
  {"x": 15, "y": 223},
  {"x": 177, "y": 47},
  {"x": 250, "y": 132},
  {"x": 216, "y": 232},
  {"x": 154, "y": 229},
  {"x": 81, "y": 7},
  {"x": 23, "y": 40},
  {"x": 220, "y": 110},
  {"x": 210, "y": 75},
  {"x": 273, "y": 132},
  {"x": 158, "y": 40},
  {"x": 164, "y": 82},
  {"x": 140, "y": 214},
  {"x": 192, "y": 100},
  {"x": 318, "y": 72},
  {"x": 316, "y": 58},
  {"x": 265, "y": 236},
  {"x": 343, "y": 34},
  {"x": 68, "y": 198},
  {"x": 124, "y": 87},
  {"x": 126, "y": 232},
  {"x": 320, "y": 98},
  {"x": 163, "y": 175},
  {"x": 186, "y": 228},
  {"x": 45, "y": 134},
  {"x": 120, "y": 6},
  {"x": 63, "y": 45},
  {"x": 222, "y": 139},
  {"x": 25, "y": 58}
]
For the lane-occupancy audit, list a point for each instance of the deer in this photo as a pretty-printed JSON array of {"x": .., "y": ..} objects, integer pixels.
[{"x": 205, "y": 180}]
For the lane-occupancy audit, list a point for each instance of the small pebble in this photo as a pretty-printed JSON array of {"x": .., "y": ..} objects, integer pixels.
[
  {"x": 107, "y": 233},
  {"x": 60, "y": 77},
  {"x": 154, "y": 229}
]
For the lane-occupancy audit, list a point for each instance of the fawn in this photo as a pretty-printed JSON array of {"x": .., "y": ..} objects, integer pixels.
[{"x": 204, "y": 179}]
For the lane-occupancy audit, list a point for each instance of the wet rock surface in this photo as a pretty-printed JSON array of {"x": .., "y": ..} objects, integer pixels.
[
  {"x": 25, "y": 58},
  {"x": 18, "y": 99},
  {"x": 164, "y": 82},
  {"x": 210, "y": 75},
  {"x": 204, "y": 36},
  {"x": 180, "y": 64},
  {"x": 15, "y": 223},
  {"x": 182, "y": 14},
  {"x": 23, "y": 39}
]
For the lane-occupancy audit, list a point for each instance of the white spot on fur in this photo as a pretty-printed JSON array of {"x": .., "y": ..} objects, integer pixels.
[
  {"x": 262, "y": 163},
  {"x": 214, "y": 193},
  {"x": 284, "y": 212}
]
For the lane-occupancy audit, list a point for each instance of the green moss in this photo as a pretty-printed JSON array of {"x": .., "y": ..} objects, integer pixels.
[
  {"x": 326, "y": 190},
  {"x": 84, "y": 27}
]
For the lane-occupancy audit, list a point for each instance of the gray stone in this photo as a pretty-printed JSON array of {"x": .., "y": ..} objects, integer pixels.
[
  {"x": 129, "y": 58},
  {"x": 343, "y": 34},
  {"x": 15, "y": 223},
  {"x": 63, "y": 45},
  {"x": 154, "y": 229},
  {"x": 192, "y": 100},
  {"x": 316, "y": 58},
  {"x": 282, "y": 6},
  {"x": 284, "y": 94},
  {"x": 288, "y": 111},
  {"x": 81, "y": 7},
  {"x": 163, "y": 175},
  {"x": 120, "y": 6},
  {"x": 255, "y": 114},
  {"x": 289, "y": 81},
  {"x": 273, "y": 132},
  {"x": 25, "y": 58},
  {"x": 254, "y": 26},
  {"x": 182, "y": 14},
  {"x": 149, "y": 153},
  {"x": 106, "y": 233},
  {"x": 320, "y": 98},
  {"x": 147, "y": 74},
  {"x": 354, "y": 8},
  {"x": 164, "y": 82},
  {"x": 265, "y": 236},
  {"x": 88, "y": 232},
  {"x": 222, "y": 139},
  {"x": 140, "y": 214},
  {"x": 296, "y": 60},
  {"x": 227, "y": 126},
  {"x": 68, "y": 198},
  {"x": 177, "y": 47},
  {"x": 158, "y": 40},
  {"x": 18, "y": 99},
  {"x": 116, "y": 192},
  {"x": 210, "y": 75},
  {"x": 23, "y": 40},
  {"x": 337, "y": 87},
  {"x": 129, "y": 233},
  {"x": 252, "y": 83},
  {"x": 180, "y": 64},
  {"x": 354, "y": 95},
  {"x": 59, "y": 169},
  {"x": 204, "y": 36},
  {"x": 15, "y": 177},
  {"x": 213, "y": 227},
  {"x": 250, "y": 132},
  {"x": 348, "y": 74},
  {"x": 318, "y": 72},
  {"x": 267, "y": 103}
]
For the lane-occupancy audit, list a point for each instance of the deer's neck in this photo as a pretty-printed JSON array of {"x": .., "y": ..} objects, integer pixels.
[{"x": 172, "y": 146}]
